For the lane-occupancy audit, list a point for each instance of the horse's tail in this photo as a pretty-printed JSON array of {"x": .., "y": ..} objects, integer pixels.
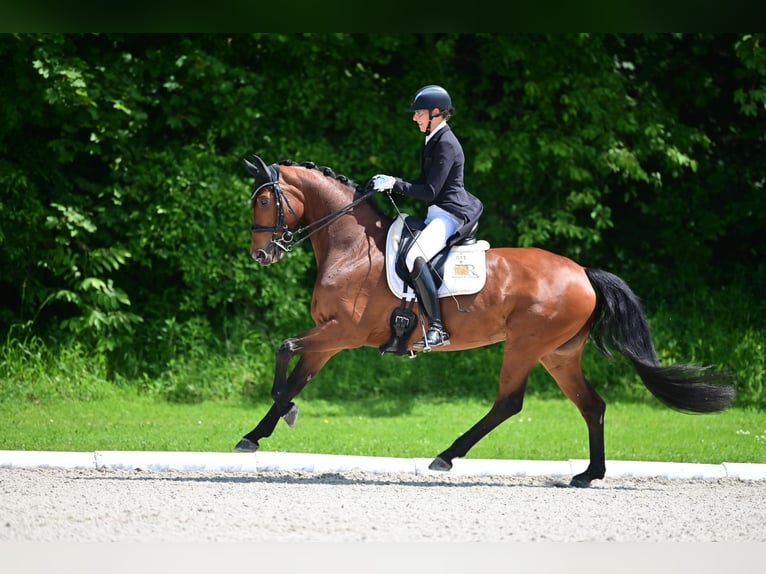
[{"x": 619, "y": 323}]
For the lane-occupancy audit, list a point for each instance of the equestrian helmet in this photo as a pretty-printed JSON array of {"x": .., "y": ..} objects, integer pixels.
[{"x": 430, "y": 97}]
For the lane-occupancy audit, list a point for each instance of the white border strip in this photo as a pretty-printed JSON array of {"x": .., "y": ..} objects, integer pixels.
[{"x": 161, "y": 461}]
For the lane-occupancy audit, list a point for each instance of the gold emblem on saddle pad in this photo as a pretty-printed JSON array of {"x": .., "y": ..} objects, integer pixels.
[{"x": 464, "y": 270}]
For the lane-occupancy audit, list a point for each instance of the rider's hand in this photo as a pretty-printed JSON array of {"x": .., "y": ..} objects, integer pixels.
[{"x": 381, "y": 183}]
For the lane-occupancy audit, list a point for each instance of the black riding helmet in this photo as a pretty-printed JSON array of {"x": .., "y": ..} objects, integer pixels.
[{"x": 430, "y": 97}]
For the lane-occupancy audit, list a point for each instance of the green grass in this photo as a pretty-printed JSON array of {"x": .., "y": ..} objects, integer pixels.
[{"x": 546, "y": 429}]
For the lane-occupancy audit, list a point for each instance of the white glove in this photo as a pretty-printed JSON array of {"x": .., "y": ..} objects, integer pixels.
[{"x": 382, "y": 183}]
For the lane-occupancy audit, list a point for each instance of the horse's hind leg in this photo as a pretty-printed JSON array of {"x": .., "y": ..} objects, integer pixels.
[
  {"x": 508, "y": 402},
  {"x": 564, "y": 366},
  {"x": 502, "y": 410}
]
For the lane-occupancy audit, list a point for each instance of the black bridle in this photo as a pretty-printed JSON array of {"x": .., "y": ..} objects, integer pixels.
[{"x": 282, "y": 236}]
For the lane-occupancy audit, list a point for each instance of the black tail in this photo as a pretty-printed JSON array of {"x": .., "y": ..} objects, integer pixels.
[{"x": 619, "y": 323}]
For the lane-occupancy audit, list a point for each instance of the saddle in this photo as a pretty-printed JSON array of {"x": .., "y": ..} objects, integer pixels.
[{"x": 459, "y": 269}]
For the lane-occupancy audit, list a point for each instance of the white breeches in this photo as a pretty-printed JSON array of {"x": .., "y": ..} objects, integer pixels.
[{"x": 440, "y": 225}]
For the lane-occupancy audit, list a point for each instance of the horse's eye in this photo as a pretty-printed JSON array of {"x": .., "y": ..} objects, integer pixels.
[{"x": 263, "y": 201}]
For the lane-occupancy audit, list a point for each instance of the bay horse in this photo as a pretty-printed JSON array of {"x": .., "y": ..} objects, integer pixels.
[{"x": 544, "y": 306}]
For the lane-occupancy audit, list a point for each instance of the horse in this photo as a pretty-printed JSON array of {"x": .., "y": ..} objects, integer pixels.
[{"x": 544, "y": 306}]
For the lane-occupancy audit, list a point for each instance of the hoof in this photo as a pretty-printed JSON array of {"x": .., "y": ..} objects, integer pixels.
[
  {"x": 246, "y": 445},
  {"x": 580, "y": 481},
  {"x": 440, "y": 464},
  {"x": 291, "y": 416}
]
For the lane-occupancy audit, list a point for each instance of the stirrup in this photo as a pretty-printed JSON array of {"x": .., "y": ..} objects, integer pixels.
[{"x": 435, "y": 337}]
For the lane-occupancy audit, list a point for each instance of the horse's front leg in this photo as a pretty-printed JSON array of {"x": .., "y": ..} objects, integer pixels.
[
  {"x": 315, "y": 348},
  {"x": 283, "y": 391},
  {"x": 249, "y": 443}
]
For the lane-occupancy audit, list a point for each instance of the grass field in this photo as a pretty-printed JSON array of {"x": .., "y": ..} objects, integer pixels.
[{"x": 546, "y": 429}]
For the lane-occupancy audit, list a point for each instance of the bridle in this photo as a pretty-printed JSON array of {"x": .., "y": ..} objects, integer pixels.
[{"x": 282, "y": 236}]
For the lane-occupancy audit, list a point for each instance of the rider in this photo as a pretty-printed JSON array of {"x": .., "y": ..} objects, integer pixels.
[{"x": 452, "y": 211}]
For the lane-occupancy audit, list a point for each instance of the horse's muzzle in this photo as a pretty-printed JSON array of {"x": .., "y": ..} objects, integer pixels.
[
  {"x": 266, "y": 256},
  {"x": 261, "y": 257}
]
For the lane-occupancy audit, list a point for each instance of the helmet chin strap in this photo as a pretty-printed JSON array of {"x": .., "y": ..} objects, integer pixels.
[{"x": 431, "y": 117}]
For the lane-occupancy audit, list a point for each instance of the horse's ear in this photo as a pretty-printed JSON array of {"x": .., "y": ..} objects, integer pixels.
[
  {"x": 258, "y": 168},
  {"x": 251, "y": 168}
]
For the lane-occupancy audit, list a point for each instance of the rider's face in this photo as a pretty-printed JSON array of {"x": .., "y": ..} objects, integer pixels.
[{"x": 420, "y": 117}]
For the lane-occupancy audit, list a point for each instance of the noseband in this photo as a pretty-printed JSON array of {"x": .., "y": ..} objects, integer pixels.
[{"x": 282, "y": 236}]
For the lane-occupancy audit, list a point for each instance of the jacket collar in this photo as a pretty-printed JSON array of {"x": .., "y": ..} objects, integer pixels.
[{"x": 438, "y": 133}]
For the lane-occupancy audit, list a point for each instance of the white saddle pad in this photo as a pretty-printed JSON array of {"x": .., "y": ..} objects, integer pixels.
[{"x": 465, "y": 271}]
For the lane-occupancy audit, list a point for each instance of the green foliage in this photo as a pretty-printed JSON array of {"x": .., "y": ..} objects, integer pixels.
[
  {"x": 124, "y": 220},
  {"x": 100, "y": 315},
  {"x": 751, "y": 50},
  {"x": 749, "y": 360},
  {"x": 699, "y": 226},
  {"x": 192, "y": 365},
  {"x": 31, "y": 372}
]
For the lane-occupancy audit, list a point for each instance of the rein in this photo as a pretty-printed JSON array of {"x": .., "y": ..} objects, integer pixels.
[{"x": 282, "y": 236}]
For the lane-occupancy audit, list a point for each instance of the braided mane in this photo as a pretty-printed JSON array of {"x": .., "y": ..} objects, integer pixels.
[
  {"x": 341, "y": 178},
  {"x": 325, "y": 171}
]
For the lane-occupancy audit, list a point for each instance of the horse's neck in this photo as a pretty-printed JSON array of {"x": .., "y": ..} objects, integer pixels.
[
  {"x": 361, "y": 231},
  {"x": 357, "y": 232}
]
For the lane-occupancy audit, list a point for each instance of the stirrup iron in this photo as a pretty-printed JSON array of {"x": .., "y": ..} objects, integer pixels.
[{"x": 438, "y": 338}]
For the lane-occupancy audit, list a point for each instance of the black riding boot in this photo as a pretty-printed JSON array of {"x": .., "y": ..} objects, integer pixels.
[{"x": 429, "y": 301}]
